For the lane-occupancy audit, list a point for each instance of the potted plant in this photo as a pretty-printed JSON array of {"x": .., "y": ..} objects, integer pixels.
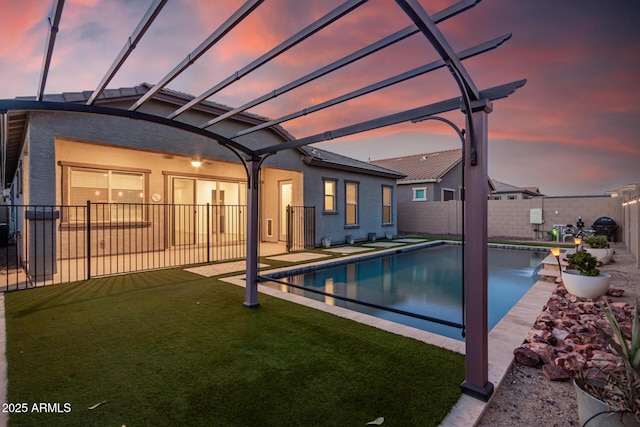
[
  {"x": 585, "y": 280},
  {"x": 599, "y": 248},
  {"x": 610, "y": 395}
]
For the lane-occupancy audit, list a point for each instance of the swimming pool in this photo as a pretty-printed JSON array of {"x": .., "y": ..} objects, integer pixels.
[{"x": 426, "y": 281}]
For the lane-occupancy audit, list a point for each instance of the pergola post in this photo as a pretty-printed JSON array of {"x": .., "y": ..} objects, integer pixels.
[
  {"x": 476, "y": 383},
  {"x": 253, "y": 184}
]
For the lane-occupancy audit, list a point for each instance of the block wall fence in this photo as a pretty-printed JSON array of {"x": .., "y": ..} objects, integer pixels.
[{"x": 510, "y": 219}]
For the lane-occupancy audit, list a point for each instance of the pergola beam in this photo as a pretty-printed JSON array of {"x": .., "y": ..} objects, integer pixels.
[
  {"x": 468, "y": 53},
  {"x": 425, "y": 23},
  {"x": 48, "y": 51},
  {"x": 355, "y": 56},
  {"x": 239, "y": 15},
  {"x": 305, "y": 33},
  {"x": 128, "y": 47},
  {"x": 7, "y": 105}
]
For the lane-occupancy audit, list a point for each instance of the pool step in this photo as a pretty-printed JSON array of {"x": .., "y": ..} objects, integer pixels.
[{"x": 550, "y": 271}]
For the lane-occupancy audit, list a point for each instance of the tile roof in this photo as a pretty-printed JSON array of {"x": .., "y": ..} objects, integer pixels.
[
  {"x": 313, "y": 156},
  {"x": 165, "y": 94},
  {"x": 501, "y": 187},
  {"x": 320, "y": 157},
  {"x": 423, "y": 167}
]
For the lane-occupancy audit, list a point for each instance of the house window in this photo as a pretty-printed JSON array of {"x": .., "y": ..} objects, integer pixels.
[
  {"x": 420, "y": 194},
  {"x": 330, "y": 195},
  {"x": 351, "y": 203},
  {"x": 512, "y": 198},
  {"x": 447, "y": 195},
  {"x": 386, "y": 204},
  {"x": 123, "y": 190}
]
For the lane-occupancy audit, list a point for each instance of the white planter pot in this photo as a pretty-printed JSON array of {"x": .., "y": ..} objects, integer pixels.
[
  {"x": 589, "y": 406},
  {"x": 603, "y": 255},
  {"x": 585, "y": 286},
  {"x": 326, "y": 242}
]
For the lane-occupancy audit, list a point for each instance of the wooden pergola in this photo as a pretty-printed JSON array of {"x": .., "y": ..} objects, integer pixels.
[{"x": 474, "y": 103}]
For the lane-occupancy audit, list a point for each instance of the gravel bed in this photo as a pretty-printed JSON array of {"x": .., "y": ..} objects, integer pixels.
[{"x": 526, "y": 397}]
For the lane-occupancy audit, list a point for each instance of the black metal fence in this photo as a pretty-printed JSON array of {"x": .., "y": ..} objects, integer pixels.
[
  {"x": 301, "y": 228},
  {"x": 42, "y": 245}
]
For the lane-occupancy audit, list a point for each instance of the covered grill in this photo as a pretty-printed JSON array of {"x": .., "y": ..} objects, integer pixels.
[{"x": 606, "y": 227}]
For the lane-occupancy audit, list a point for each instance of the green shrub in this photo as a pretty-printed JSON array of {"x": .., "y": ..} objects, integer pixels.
[
  {"x": 597, "y": 241},
  {"x": 585, "y": 262}
]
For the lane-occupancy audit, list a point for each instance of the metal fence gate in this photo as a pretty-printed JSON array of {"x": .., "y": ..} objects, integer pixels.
[
  {"x": 301, "y": 228},
  {"x": 43, "y": 245}
]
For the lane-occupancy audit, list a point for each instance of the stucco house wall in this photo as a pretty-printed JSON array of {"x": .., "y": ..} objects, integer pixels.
[
  {"x": 55, "y": 140},
  {"x": 369, "y": 204}
]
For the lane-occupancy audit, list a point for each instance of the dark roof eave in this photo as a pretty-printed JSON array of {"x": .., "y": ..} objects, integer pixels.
[{"x": 331, "y": 165}]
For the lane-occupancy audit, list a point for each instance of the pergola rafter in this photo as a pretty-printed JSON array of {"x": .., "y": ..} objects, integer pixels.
[
  {"x": 244, "y": 11},
  {"x": 343, "y": 62},
  {"x": 474, "y": 103},
  {"x": 54, "y": 21},
  {"x": 292, "y": 41},
  {"x": 451, "y": 104},
  {"x": 407, "y": 75},
  {"x": 130, "y": 45}
]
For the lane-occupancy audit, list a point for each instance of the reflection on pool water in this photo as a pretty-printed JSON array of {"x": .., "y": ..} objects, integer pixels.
[{"x": 426, "y": 281}]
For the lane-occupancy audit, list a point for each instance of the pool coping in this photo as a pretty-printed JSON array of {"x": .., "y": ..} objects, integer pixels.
[{"x": 507, "y": 335}]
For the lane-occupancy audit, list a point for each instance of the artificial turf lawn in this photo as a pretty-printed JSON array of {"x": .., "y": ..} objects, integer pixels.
[{"x": 170, "y": 348}]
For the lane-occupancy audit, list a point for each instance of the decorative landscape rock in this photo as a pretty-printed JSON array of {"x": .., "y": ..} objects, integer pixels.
[
  {"x": 555, "y": 373},
  {"x": 526, "y": 356},
  {"x": 564, "y": 337}
]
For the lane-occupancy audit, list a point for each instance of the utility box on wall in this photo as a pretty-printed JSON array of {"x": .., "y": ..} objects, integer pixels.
[{"x": 535, "y": 216}]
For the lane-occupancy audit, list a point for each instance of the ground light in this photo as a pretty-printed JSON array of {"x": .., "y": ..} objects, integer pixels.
[
  {"x": 556, "y": 253},
  {"x": 577, "y": 241}
]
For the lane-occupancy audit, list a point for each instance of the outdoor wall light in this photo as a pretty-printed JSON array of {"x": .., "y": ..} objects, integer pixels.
[
  {"x": 196, "y": 163},
  {"x": 556, "y": 253}
]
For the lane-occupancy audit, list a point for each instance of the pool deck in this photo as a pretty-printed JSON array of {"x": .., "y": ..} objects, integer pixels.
[{"x": 508, "y": 334}]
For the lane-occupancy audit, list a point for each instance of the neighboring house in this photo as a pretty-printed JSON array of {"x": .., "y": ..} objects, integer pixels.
[
  {"x": 620, "y": 190},
  {"x": 504, "y": 191},
  {"x": 67, "y": 158},
  {"x": 430, "y": 177}
]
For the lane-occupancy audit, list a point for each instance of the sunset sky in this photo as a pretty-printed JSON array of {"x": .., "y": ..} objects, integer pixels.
[{"x": 573, "y": 129}]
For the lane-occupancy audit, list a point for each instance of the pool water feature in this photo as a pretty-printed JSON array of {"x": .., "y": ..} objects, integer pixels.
[{"x": 426, "y": 281}]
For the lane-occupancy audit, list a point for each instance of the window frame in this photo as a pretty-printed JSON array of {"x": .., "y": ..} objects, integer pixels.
[
  {"x": 443, "y": 191},
  {"x": 68, "y": 167},
  {"x": 419, "y": 199},
  {"x": 333, "y": 211},
  {"x": 389, "y": 205},
  {"x": 347, "y": 204}
]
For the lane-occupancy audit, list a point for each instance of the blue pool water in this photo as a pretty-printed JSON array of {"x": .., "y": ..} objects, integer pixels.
[{"x": 426, "y": 281}]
